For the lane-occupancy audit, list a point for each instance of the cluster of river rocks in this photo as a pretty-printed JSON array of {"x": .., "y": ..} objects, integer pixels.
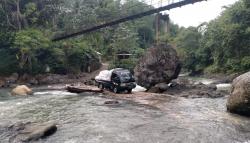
[
  {"x": 43, "y": 79},
  {"x": 157, "y": 70},
  {"x": 160, "y": 65},
  {"x": 238, "y": 102},
  {"x": 28, "y": 132},
  {"x": 188, "y": 89}
]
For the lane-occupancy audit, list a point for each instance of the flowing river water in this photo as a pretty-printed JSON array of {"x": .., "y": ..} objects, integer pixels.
[{"x": 84, "y": 118}]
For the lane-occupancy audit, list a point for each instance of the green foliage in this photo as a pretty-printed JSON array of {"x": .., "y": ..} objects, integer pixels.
[
  {"x": 129, "y": 36},
  {"x": 32, "y": 52},
  {"x": 123, "y": 40},
  {"x": 227, "y": 38},
  {"x": 79, "y": 56},
  {"x": 31, "y": 13},
  {"x": 245, "y": 63},
  {"x": 222, "y": 45},
  {"x": 212, "y": 69},
  {"x": 6, "y": 38},
  {"x": 28, "y": 44},
  {"x": 187, "y": 41},
  {"x": 125, "y": 63},
  {"x": 8, "y": 62},
  {"x": 146, "y": 36}
]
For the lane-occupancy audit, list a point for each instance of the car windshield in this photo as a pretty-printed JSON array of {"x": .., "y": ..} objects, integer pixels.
[{"x": 125, "y": 76}]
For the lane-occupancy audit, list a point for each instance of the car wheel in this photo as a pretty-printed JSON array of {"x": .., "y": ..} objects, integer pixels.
[
  {"x": 101, "y": 86},
  {"x": 115, "y": 90},
  {"x": 129, "y": 90}
]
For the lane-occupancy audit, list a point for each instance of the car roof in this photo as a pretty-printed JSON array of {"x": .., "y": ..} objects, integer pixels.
[{"x": 119, "y": 70}]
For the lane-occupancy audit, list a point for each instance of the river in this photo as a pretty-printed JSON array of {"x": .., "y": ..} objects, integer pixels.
[{"x": 83, "y": 118}]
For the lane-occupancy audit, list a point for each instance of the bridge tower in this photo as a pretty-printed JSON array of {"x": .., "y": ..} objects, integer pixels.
[{"x": 162, "y": 21}]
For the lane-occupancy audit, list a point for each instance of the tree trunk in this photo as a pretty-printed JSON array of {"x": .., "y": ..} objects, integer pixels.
[{"x": 18, "y": 15}]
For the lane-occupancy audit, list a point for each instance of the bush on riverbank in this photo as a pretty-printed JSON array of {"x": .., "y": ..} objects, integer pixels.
[
  {"x": 33, "y": 53},
  {"x": 220, "y": 46}
]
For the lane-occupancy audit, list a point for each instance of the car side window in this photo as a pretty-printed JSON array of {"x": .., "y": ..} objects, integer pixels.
[{"x": 113, "y": 76}]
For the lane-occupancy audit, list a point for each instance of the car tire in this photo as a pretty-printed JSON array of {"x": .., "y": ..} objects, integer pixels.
[
  {"x": 129, "y": 90},
  {"x": 115, "y": 90},
  {"x": 101, "y": 86},
  {"x": 98, "y": 85}
]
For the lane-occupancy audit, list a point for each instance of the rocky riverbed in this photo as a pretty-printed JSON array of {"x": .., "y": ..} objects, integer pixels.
[
  {"x": 138, "y": 117},
  {"x": 190, "y": 110}
]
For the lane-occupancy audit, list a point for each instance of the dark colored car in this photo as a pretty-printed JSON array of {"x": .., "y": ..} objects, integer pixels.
[{"x": 120, "y": 80}]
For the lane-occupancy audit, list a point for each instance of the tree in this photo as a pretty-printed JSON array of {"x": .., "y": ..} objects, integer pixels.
[
  {"x": 227, "y": 37},
  {"x": 28, "y": 43},
  {"x": 188, "y": 41}
]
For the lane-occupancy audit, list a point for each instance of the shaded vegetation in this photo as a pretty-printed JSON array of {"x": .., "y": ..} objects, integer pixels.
[
  {"x": 222, "y": 45},
  {"x": 26, "y": 27}
]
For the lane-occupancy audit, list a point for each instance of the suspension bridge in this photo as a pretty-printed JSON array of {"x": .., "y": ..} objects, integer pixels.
[{"x": 166, "y": 5}]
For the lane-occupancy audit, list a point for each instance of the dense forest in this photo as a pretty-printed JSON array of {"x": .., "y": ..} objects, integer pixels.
[
  {"x": 27, "y": 26},
  {"x": 222, "y": 45}
]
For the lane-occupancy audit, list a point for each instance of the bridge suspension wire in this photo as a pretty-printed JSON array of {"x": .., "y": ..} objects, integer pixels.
[
  {"x": 149, "y": 4},
  {"x": 128, "y": 18}
]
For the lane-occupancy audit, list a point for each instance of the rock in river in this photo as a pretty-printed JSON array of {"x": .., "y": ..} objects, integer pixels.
[
  {"x": 112, "y": 102},
  {"x": 160, "y": 64},
  {"x": 27, "y": 132},
  {"x": 239, "y": 100},
  {"x": 21, "y": 90},
  {"x": 159, "y": 88}
]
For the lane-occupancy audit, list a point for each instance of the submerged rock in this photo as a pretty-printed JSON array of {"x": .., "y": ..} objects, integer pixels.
[
  {"x": 160, "y": 64},
  {"x": 21, "y": 90},
  {"x": 159, "y": 88},
  {"x": 27, "y": 132},
  {"x": 191, "y": 90},
  {"x": 113, "y": 102},
  {"x": 239, "y": 100}
]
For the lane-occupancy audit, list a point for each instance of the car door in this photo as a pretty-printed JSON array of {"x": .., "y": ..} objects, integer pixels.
[{"x": 115, "y": 78}]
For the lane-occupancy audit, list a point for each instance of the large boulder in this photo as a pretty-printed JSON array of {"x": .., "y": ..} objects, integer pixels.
[
  {"x": 30, "y": 132},
  {"x": 159, "y": 88},
  {"x": 239, "y": 100},
  {"x": 160, "y": 64},
  {"x": 21, "y": 90}
]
